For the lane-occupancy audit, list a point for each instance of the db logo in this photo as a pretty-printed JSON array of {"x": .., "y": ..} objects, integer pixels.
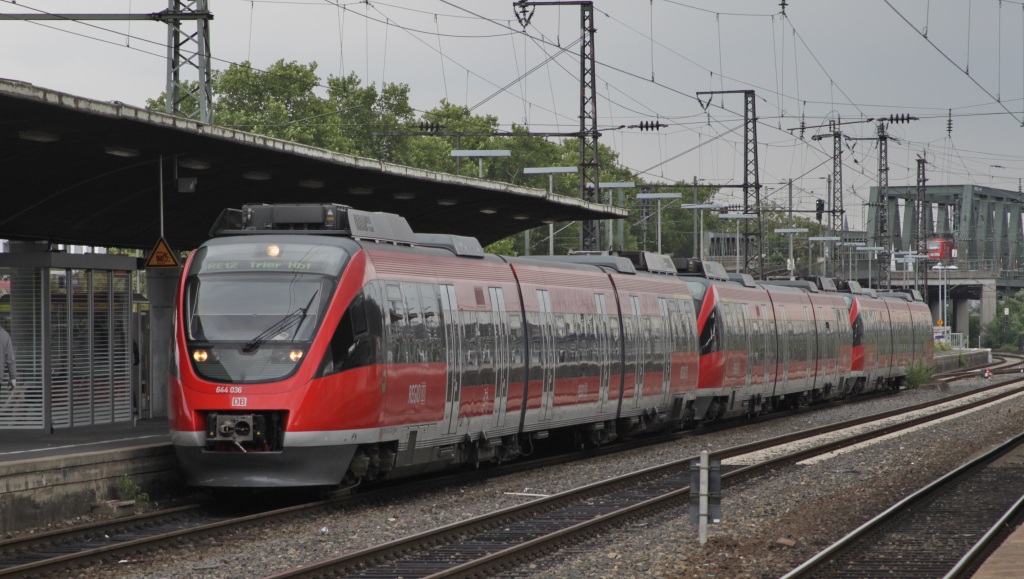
[{"x": 239, "y": 401}]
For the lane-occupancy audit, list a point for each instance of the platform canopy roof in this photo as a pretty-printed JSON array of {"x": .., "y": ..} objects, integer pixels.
[{"x": 87, "y": 172}]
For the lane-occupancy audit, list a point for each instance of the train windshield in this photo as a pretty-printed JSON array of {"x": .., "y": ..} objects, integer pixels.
[
  {"x": 252, "y": 309},
  {"x": 255, "y": 309}
]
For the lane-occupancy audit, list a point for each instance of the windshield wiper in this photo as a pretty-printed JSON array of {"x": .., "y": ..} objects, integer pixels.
[{"x": 296, "y": 318}]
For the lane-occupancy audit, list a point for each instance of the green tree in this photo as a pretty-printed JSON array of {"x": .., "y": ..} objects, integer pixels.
[
  {"x": 284, "y": 102},
  {"x": 1003, "y": 332},
  {"x": 365, "y": 116},
  {"x": 434, "y": 152},
  {"x": 189, "y": 106},
  {"x": 289, "y": 101}
]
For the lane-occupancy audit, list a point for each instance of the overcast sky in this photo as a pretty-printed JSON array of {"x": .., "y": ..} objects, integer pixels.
[{"x": 826, "y": 59}]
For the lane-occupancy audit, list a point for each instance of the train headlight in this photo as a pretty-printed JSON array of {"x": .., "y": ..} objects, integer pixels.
[
  {"x": 273, "y": 250},
  {"x": 295, "y": 355},
  {"x": 200, "y": 355}
]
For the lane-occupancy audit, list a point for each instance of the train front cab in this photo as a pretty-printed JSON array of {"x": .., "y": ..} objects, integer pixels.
[
  {"x": 244, "y": 410},
  {"x": 872, "y": 340},
  {"x": 737, "y": 343}
]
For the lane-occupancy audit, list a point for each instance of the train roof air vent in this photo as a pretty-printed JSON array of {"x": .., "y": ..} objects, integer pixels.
[
  {"x": 457, "y": 244},
  {"x": 744, "y": 278},
  {"x": 823, "y": 283},
  {"x": 694, "y": 266},
  {"x": 715, "y": 270},
  {"x": 650, "y": 261}
]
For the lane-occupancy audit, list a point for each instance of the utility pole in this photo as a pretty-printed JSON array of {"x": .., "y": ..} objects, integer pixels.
[
  {"x": 882, "y": 214},
  {"x": 645, "y": 213},
  {"x": 185, "y": 49},
  {"x": 589, "y": 169},
  {"x": 752, "y": 228},
  {"x": 791, "y": 264},
  {"x": 922, "y": 240},
  {"x": 696, "y": 242},
  {"x": 882, "y": 236},
  {"x": 835, "y": 197},
  {"x": 829, "y": 196}
]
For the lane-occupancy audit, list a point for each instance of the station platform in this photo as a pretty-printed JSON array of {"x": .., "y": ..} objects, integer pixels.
[
  {"x": 48, "y": 478},
  {"x": 18, "y": 445}
]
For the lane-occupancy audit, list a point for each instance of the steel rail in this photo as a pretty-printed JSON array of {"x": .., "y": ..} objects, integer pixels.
[
  {"x": 375, "y": 558},
  {"x": 816, "y": 563}
]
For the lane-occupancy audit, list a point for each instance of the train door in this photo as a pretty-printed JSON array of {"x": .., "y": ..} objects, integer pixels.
[
  {"x": 642, "y": 332},
  {"x": 770, "y": 355},
  {"x": 748, "y": 329},
  {"x": 604, "y": 358},
  {"x": 499, "y": 322},
  {"x": 668, "y": 340},
  {"x": 453, "y": 356},
  {"x": 757, "y": 364},
  {"x": 785, "y": 335},
  {"x": 823, "y": 346},
  {"x": 630, "y": 345},
  {"x": 548, "y": 362},
  {"x": 835, "y": 336},
  {"x": 809, "y": 351}
]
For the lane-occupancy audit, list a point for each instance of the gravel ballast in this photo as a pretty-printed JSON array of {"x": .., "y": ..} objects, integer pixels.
[{"x": 770, "y": 524}]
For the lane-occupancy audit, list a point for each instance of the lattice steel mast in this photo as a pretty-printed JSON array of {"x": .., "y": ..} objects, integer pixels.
[
  {"x": 752, "y": 228},
  {"x": 921, "y": 247},
  {"x": 185, "y": 49},
  {"x": 882, "y": 214},
  {"x": 836, "y": 205},
  {"x": 589, "y": 166}
]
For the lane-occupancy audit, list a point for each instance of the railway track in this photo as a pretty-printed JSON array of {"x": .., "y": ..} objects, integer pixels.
[
  {"x": 499, "y": 541},
  {"x": 943, "y": 530},
  {"x": 1002, "y": 363},
  {"x": 52, "y": 552}
]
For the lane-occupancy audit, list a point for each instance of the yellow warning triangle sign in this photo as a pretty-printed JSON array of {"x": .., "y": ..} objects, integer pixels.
[{"x": 162, "y": 256}]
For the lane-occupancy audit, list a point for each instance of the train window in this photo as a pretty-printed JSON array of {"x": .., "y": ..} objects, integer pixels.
[
  {"x": 396, "y": 305},
  {"x": 417, "y": 342},
  {"x": 471, "y": 343},
  {"x": 515, "y": 328},
  {"x": 432, "y": 331},
  {"x": 412, "y": 303},
  {"x": 486, "y": 344},
  {"x": 710, "y": 336},
  {"x": 398, "y": 347},
  {"x": 534, "y": 329},
  {"x": 351, "y": 345}
]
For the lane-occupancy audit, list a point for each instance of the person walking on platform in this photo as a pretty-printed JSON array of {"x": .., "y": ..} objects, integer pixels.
[{"x": 7, "y": 357}]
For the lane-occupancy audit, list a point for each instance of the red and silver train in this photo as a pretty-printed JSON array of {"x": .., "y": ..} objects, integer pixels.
[{"x": 322, "y": 345}]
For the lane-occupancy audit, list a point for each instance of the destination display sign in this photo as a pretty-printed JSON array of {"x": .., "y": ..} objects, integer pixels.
[
  {"x": 285, "y": 258},
  {"x": 285, "y": 265}
]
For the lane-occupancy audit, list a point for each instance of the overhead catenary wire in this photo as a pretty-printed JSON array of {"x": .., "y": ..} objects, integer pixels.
[
  {"x": 958, "y": 67},
  {"x": 611, "y": 87}
]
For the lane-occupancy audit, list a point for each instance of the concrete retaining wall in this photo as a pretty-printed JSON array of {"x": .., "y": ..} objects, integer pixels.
[
  {"x": 35, "y": 493},
  {"x": 961, "y": 360}
]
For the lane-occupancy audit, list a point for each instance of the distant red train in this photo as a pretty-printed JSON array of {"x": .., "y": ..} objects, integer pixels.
[
  {"x": 941, "y": 249},
  {"x": 322, "y": 345}
]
